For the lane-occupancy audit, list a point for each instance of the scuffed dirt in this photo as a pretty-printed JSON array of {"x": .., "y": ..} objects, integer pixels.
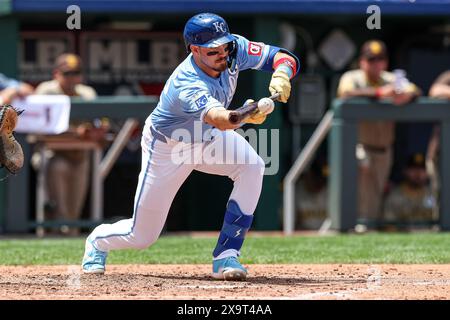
[{"x": 299, "y": 282}]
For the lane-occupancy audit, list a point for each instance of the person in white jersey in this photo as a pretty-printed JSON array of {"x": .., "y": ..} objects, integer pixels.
[{"x": 188, "y": 130}]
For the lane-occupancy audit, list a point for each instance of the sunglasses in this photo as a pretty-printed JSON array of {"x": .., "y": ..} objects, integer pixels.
[
  {"x": 376, "y": 59},
  {"x": 214, "y": 53},
  {"x": 71, "y": 73}
]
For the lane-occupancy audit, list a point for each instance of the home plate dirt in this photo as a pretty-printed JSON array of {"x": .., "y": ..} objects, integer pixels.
[{"x": 289, "y": 281}]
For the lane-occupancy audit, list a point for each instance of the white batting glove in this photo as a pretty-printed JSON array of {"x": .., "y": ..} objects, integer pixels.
[{"x": 281, "y": 84}]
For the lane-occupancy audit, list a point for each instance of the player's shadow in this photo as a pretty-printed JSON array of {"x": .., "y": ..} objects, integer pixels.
[{"x": 272, "y": 280}]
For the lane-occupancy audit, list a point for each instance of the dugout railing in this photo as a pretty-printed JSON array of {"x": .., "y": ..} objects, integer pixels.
[
  {"x": 342, "y": 142},
  {"x": 342, "y": 201}
]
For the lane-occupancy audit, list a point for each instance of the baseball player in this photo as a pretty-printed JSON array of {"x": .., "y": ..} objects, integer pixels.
[{"x": 189, "y": 125}]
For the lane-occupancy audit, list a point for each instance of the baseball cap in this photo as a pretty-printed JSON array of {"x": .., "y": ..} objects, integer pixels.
[
  {"x": 68, "y": 62},
  {"x": 373, "y": 49},
  {"x": 416, "y": 160}
]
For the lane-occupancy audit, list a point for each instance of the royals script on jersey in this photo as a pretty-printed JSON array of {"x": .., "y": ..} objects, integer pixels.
[{"x": 189, "y": 92}]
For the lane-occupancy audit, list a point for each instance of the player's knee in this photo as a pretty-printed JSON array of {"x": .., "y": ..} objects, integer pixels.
[
  {"x": 255, "y": 169},
  {"x": 141, "y": 245},
  {"x": 145, "y": 242}
]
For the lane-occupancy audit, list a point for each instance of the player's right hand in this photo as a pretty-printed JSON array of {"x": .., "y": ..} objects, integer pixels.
[
  {"x": 398, "y": 98},
  {"x": 386, "y": 91},
  {"x": 281, "y": 84},
  {"x": 257, "y": 118}
]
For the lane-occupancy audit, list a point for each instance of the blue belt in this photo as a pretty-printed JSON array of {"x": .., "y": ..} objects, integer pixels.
[{"x": 157, "y": 135}]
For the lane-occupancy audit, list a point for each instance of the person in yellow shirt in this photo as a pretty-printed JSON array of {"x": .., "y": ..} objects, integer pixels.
[
  {"x": 441, "y": 86},
  {"x": 67, "y": 79},
  {"x": 440, "y": 89},
  {"x": 375, "y": 138},
  {"x": 412, "y": 201},
  {"x": 67, "y": 173}
]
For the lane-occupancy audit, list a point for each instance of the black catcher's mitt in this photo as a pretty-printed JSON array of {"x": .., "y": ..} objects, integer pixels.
[{"x": 11, "y": 153}]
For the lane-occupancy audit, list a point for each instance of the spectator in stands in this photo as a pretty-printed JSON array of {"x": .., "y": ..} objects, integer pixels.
[
  {"x": 312, "y": 195},
  {"x": 412, "y": 201},
  {"x": 440, "y": 89},
  {"x": 11, "y": 89},
  {"x": 375, "y": 138},
  {"x": 67, "y": 173}
]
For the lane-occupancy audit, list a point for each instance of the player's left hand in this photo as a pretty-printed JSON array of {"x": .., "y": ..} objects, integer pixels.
[
  {"x": 280, "y": 84},
  {"x": 257, "y": 118}
]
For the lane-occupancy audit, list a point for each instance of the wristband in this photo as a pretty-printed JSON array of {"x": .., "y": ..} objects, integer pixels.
[
  {"x": 289, "y": 63},
  {"x": 286, "y": 69}
]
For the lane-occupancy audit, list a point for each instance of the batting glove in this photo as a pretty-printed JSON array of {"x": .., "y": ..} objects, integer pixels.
[
  {"x": 257, "y": 118},
  {"x": 280, "y": 84}
]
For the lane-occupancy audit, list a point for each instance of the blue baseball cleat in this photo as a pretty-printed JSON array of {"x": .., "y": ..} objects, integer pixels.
[
  {"x": 94, "y": 260},
  {"x": 229, "y": 269}
]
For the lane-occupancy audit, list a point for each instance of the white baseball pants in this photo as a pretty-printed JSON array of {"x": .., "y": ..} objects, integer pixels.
[{"x": 165, "y": 166}]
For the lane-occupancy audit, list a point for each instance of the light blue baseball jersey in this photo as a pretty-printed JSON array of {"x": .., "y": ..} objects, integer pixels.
[{"x": 189, "y": 92}]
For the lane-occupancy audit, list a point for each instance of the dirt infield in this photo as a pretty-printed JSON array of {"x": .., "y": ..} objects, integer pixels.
[{"x": 193, "y": 282}]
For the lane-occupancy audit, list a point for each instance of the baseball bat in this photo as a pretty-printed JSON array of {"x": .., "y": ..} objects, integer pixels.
[{"x": 236, "y": 116}]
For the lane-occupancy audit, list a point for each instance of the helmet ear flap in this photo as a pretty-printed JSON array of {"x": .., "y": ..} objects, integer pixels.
[
  {"x": 232, "y": 52},
  {"x": 231, "y": 47},
  {"x": 187, "y": 46}
]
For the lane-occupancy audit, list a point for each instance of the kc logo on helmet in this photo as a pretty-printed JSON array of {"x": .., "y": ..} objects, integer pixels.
[
  {"x": 254, "y": 49},
  {"x": 220, "y": 27}
]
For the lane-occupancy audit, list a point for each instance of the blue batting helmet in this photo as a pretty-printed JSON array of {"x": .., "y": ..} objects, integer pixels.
[{"x": 206, "y": 30}]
